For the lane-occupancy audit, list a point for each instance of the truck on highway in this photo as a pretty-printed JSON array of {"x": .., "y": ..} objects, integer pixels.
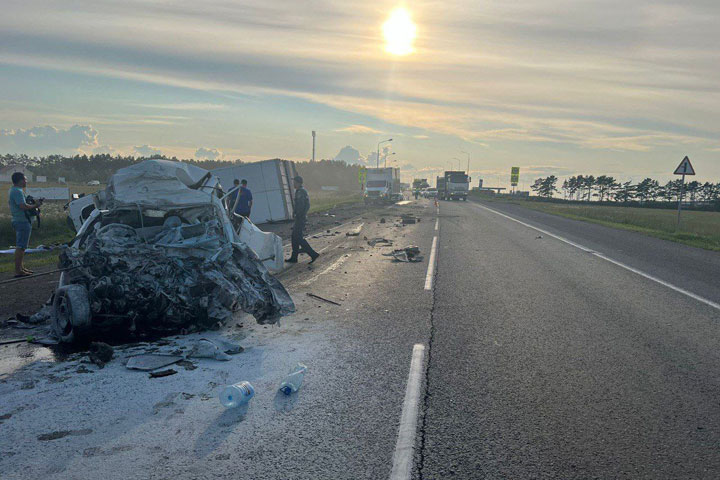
[
  {"x": 453, "y": 185},
  {"x": 382, "y": 185}
]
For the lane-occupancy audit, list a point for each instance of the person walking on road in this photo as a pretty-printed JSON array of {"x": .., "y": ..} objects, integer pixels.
[
  {"x": 20, "y": 221},
  {"x": 302, "y": 205}
]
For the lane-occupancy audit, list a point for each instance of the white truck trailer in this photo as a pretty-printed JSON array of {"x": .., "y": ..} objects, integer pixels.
[
  {"x": 382, "y": 185},
  {"x": 270, "y": 182}
]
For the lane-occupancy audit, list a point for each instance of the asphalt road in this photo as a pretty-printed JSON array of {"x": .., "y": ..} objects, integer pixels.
[
  {"x": 541, "y": 360},
  {"x": 547, "y": 361}
]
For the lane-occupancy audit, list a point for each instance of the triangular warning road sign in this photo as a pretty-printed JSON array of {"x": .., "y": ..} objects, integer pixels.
[{"x": 685, "y": 168}]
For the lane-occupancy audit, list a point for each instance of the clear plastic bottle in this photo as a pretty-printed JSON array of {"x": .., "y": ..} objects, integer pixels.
[
  {"x": 237, "y": 394},
  {"x": 293, "y": 381}
]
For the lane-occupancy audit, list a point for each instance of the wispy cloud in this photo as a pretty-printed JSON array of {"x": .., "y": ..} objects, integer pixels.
[{"x": 358, "y": 129}]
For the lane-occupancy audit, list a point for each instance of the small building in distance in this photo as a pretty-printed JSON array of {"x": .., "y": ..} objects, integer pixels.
[{"x": 6, "y": 173}]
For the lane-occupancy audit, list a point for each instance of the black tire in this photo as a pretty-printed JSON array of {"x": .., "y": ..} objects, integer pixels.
[{"x": 71, "y": 313}]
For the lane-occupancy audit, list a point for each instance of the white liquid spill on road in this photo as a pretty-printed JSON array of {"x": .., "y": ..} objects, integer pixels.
[
  {"x": 403, "y": 456},
  {"x": 329, "y": 269},
  {"x": 431, "y": 265},
  {"x": 614, "y": 262}
]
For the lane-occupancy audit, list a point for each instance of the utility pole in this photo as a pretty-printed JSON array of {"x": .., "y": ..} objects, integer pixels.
[
  {"x": 468, "y": 164},
  {"x": 377, "y": 164},
  {"x": 313, "y": 135}
]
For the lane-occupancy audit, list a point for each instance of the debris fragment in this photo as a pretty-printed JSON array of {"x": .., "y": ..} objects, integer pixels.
[
  {"x": 100, "y": 353},
  {"x": 383, "y": 242},
  {"x": 163, "y": 373},
  {"x": 207, "y": 349},
  {"x": 151, "y": 361},
  {"x": 382, "y": 220},
  {"x": 321, "y": 298},
  {"x": 355, "y": 231},
  {"x": 410, "y": 253},
  {"x": 538, "y": 237},
  {"x": 408, "y": 219}
]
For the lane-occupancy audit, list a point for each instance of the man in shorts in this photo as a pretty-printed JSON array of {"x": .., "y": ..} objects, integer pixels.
[{"x": 20, "y": 221}]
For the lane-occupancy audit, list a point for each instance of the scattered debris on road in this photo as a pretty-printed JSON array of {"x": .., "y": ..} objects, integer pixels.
[
  {"x": 383, "y": 242},
  {"x": 355, "y": 231},
  {"x": 152, "y": 361},
  {"x": 163, "y": 373},
  {"x": 410, "y": 253},
  {"x": 323, "y": 299},
  {"x": 100, "y": 353}
]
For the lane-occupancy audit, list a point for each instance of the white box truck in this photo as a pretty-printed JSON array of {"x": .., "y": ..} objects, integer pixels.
[
  {"x": 270, "y": 182},
  {"x": 382, "y": 185}
]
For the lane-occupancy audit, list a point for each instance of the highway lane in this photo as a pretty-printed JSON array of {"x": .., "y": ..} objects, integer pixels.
[
  {"x": 546, "y": 361},
  {"x": 691, "y": 268}
]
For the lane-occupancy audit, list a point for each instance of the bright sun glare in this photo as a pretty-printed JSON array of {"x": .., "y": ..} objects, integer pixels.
[{"x": 399, "y": 32}]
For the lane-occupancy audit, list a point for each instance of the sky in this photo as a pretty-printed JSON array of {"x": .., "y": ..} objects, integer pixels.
[{"x": 559, "y": 87}]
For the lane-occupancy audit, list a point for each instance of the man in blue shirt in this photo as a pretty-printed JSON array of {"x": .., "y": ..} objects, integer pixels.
[
  {"x": 242, "y": 198},
  {"x": 20, "y": 222}
]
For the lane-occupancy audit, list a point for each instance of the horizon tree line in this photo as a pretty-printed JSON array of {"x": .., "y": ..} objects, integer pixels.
[{"x": 605, "y": 188}]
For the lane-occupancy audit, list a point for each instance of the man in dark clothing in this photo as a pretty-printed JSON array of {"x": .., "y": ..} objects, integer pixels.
[
  {"x": 242, "y": 198},
  {"x": 302, "y": 205}
]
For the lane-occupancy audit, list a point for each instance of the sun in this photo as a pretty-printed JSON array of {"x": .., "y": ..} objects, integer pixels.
[{"x": 399, "y": 32}]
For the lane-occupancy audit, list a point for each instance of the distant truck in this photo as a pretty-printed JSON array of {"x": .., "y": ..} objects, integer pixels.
[
  {"x": 453, "y": 185},
  {"x": 382, "y": 185}
]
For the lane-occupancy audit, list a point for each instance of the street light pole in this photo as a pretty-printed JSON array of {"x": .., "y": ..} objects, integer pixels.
[
  {"x": 377, "y": 164},
  {"x": 468, "y": 155}
]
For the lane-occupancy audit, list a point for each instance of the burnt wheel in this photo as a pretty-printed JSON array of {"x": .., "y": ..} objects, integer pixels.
[{"x": 71, "y": 313}]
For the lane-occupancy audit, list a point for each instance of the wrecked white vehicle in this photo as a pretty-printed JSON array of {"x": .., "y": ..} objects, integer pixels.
[{"x": 159, "y": 254}]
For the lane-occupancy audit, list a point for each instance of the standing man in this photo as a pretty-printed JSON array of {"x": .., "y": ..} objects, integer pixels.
[
  {"x": 302, "y": 205},
  {"x": 241, "y": 199},
  {"x": 20, "y": 221}
]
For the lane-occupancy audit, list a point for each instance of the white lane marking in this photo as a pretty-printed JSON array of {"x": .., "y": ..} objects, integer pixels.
[
  {"x": 329, "y": 269},
  {"x": 614, "y": 262},
  {"x": 437, "y": 224},
  {"x": 403, "y": 456},
  {"x": 431, "y": 265}
]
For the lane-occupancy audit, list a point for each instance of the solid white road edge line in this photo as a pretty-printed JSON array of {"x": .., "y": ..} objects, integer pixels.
[
  {"x": 403, "y": 456},
  {"x": 437, "y": 224},
  {"x": 614, "y": 262},
  {"x": 431, "y": 265}
]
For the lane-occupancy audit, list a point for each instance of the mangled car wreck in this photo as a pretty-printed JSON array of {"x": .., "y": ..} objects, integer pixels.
[{"x": 160, "y": 254}]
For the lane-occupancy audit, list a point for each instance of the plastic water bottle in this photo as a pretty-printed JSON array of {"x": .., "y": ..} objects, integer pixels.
[
  {"x": 237, "y": 394},
  {"x": 292, "y": 382}
]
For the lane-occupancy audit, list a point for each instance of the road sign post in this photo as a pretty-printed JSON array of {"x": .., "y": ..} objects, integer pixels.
[
  {"x": 514, "y": 177},
  {"x": 685, "y": 168}
]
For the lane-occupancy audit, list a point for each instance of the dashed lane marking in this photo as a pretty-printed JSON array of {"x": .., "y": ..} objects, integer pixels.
[{"x": 403, "y": 456}]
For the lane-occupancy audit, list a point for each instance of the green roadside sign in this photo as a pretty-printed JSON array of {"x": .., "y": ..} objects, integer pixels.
[{"x": 514, "y": 176}]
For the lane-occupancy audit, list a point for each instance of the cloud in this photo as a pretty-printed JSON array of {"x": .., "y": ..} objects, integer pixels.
[
  {"x": 147, "y": 151},
  {"x": 48, "y": 139},
  {"x": 104, "y": 149},
  {"x": 208, "y": 153},
  {"x": 184, "y": 106},
  {"x": 348, "y": 154},
  {"x": 358, "y": 129},
  {"x": 421, "y": 137}
]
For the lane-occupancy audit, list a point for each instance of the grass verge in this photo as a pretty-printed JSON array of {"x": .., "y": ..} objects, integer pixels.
[{"x": 698, "y": 229}]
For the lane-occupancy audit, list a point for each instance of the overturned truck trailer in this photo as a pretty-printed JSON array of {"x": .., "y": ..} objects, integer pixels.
[
  {"x": 270, "y": 182},
  {"x": 160, "y": 254}
]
